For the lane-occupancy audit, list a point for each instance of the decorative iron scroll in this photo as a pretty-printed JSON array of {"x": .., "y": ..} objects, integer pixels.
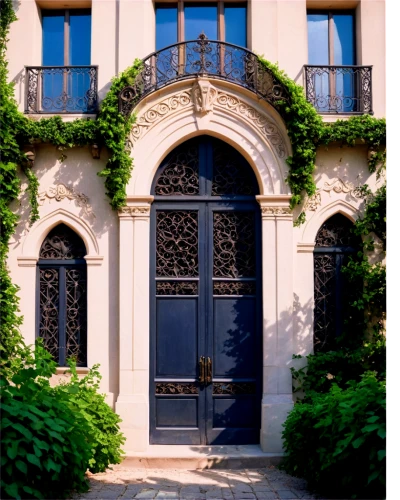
[
  {"x": 336, "y": 231},
  {"x": 230, "y": 177},
  {"x": 62, "y": 243},
  {"x": 175, "y": 388},
  {"x": 180, "y": 175},
  {"x": 234, "y": 388},
  {"x": 177, "y": 288},
  {"x": 177, "y": 243},
  {"x": 234, "y": 288},
  {"x": 75, "y": 325},
  {"x": 49, "y": 308},
  {"x": 234, "y": 245},
  {"x": 203, "y": 57},
  {"x": 339, "y": 89},
  {"x": 324, "y": 300},
  {"x": 61, "y": 89}
]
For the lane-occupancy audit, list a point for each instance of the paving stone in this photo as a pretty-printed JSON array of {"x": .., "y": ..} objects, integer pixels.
[
  {"x": 147, "y": 493},
  {"x": 244, "y": 496},
  {"x": 241, "y": 487},
  {"x": 267, "y": 495},
  {"x": 262, "y": 487},
  {"x": 216, "y": 493},
  {"x": 286, "y": 494},
  {"x": 167, "y": 494}
]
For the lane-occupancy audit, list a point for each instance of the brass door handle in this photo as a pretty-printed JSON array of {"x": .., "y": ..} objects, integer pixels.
[
  {"x": 209, "y": 371},
  {"x": 202, "y": 369}
]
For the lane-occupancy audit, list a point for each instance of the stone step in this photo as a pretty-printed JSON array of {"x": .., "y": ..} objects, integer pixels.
[{"x": 191, "y": 457}]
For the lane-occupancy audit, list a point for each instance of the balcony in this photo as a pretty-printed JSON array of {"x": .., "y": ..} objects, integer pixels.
[
  {"x": 339, "y": 89},
  {"x": 61, "y": 89},
  {"x": 202, "y": 57}
]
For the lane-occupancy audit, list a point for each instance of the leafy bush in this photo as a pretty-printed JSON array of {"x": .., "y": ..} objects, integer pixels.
[
  {"x": 52, "y": 435},
  {"x": 336, "y": 441},
  {"x": 104, "y": 435},
  {"x": 45, "y": 449}
]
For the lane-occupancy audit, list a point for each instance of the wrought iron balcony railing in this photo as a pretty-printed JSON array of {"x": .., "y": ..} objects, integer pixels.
[
  {"x": 339, "y": 89},
  {"x": 61, "y": 89},
  {"x": 202, "y": 57}
]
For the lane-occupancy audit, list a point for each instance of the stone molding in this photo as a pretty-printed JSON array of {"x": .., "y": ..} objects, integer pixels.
[
  {"x": 204, "y": 98},
  {"x": 305, "y": 247},
  {"x": 61, "y": 192},
  {"x": 275, "y": 206},
  {"x": 27, "y": 261},
  {"x": 143, "y": 211},
  {"x": 337, "y": 185}
]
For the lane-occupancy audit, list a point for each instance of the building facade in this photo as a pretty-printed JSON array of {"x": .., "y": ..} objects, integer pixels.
[{"x": 195, "y": 295}]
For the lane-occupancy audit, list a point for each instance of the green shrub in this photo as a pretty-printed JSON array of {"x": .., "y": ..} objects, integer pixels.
[
  {"x": 103, "y": 435},
  {"x": 336, "y": 441},
  {"x": 45, "y": 450}
]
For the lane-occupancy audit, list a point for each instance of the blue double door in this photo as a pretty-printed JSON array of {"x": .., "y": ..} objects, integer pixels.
[{"x": 205, "y": 383}]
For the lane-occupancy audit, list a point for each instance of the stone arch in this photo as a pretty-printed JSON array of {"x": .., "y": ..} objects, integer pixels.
[
  {"x": 166, "y": 119},
  {"x": 41, "y": 228},
  {"x": 336, "y": 207}
]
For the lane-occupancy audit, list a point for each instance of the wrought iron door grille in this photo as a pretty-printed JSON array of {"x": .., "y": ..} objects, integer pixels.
[
  {"x": 61, "y": 89},
  {"x": 339, "y": 89}
]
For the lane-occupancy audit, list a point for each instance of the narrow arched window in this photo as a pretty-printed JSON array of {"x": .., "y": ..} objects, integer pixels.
[
  {"x": 334, "y": 243},
  {"x": 62, "y": 301}
]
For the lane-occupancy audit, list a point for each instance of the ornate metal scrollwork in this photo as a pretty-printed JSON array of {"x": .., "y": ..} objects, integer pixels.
[
  {"x": 177, "y": 288},
  {"x": 177, "y": 243},
  {"x": 234, "y": 388},
  {"x": 75, "y": 324},
  {"x": 62, "y": 243},
  {"x": 324, "y": 300},
  {"x": 234, "y": 287},
  {"x": 336, "y": 231},
  {"x": 176, "y": 388},
  {"x": 234, "y": 245},
  {"x": 61, "y": 89},
  {"x": 229, "y": 175},
  {"x": 339, "y": 89},
  {"x": 180, "y": 175},
  {"x": 203, "y": 57},
  {"x": 49, "y": 307}
]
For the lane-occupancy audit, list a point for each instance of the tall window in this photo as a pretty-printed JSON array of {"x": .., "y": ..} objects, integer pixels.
[
  {"x": 66, "y": 42},
  {"x": 331, "y": 42},
  {"x": 334, "y": 243},
  {"x": 62, "y": 288},
  {"x": 183, "y": 21}
]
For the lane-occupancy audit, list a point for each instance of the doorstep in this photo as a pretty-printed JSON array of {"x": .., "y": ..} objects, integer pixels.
[{"x": 192, "y": 457}]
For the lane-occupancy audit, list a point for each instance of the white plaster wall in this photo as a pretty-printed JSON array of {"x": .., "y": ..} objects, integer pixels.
[{"x": 78, "y": 171}]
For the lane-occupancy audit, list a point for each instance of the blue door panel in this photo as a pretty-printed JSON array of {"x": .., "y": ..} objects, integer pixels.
[
  {"x": 236, "y": 413},
  {"x": 234, "y": 337},
  {"x": 176, "y": 342},
  {"x": 177, "y": 412}
]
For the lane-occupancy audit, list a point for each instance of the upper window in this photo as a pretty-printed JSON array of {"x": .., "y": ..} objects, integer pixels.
[
  {"x": 335, "y": 85},
  {"x": 331, "y": 38},
  {"x": 62, "y": 289},
  {"x": 66, "y": 37},
  {"x": 183, "y": 21}
]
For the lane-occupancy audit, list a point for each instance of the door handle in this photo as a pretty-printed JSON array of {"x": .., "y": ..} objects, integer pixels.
[
  {"x": 209, "y": 371},
  {"x": 202, "y": 369}
]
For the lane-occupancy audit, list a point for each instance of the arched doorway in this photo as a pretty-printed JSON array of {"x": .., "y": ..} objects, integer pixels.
[{"x": 205, "y": 293}]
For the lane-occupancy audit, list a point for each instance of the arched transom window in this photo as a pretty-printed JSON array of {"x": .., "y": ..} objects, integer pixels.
[
  {"x": 62, "y": 284},
  {"x": 334, "y": 243}
]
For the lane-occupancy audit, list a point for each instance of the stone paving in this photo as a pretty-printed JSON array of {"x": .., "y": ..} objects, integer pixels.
[{"x": 125, "y": 483}]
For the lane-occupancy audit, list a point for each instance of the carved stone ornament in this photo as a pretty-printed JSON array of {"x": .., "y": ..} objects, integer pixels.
[
  {"x": 203, "y": 102},
  {"x": 61, "y": 192},
  {"x": 134, "y": 211},
  {"x": 203, "y": 96},
  {"x": 276, "y": 211},
  {"x": 337, "y": 186}
]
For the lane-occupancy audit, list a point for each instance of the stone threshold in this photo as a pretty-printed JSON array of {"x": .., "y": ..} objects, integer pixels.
[{"x": 193, "y": 457}]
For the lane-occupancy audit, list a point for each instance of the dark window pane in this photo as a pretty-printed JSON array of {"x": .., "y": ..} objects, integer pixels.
[
  {"x": 236, "y": 24},
  {"x": 201, "y": 18},
  {"x": 166, "y": 26},
  {"x": 53, "y": 38},
  {"x": 318, "y": 50},
  {"x": 343, "y": 42},
  {"x": 79, "y": 37}
]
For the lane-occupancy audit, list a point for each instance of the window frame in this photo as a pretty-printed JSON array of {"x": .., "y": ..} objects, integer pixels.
[
  {"x": 220, "y": 16},
  {"x": 331, "y": 48}
]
